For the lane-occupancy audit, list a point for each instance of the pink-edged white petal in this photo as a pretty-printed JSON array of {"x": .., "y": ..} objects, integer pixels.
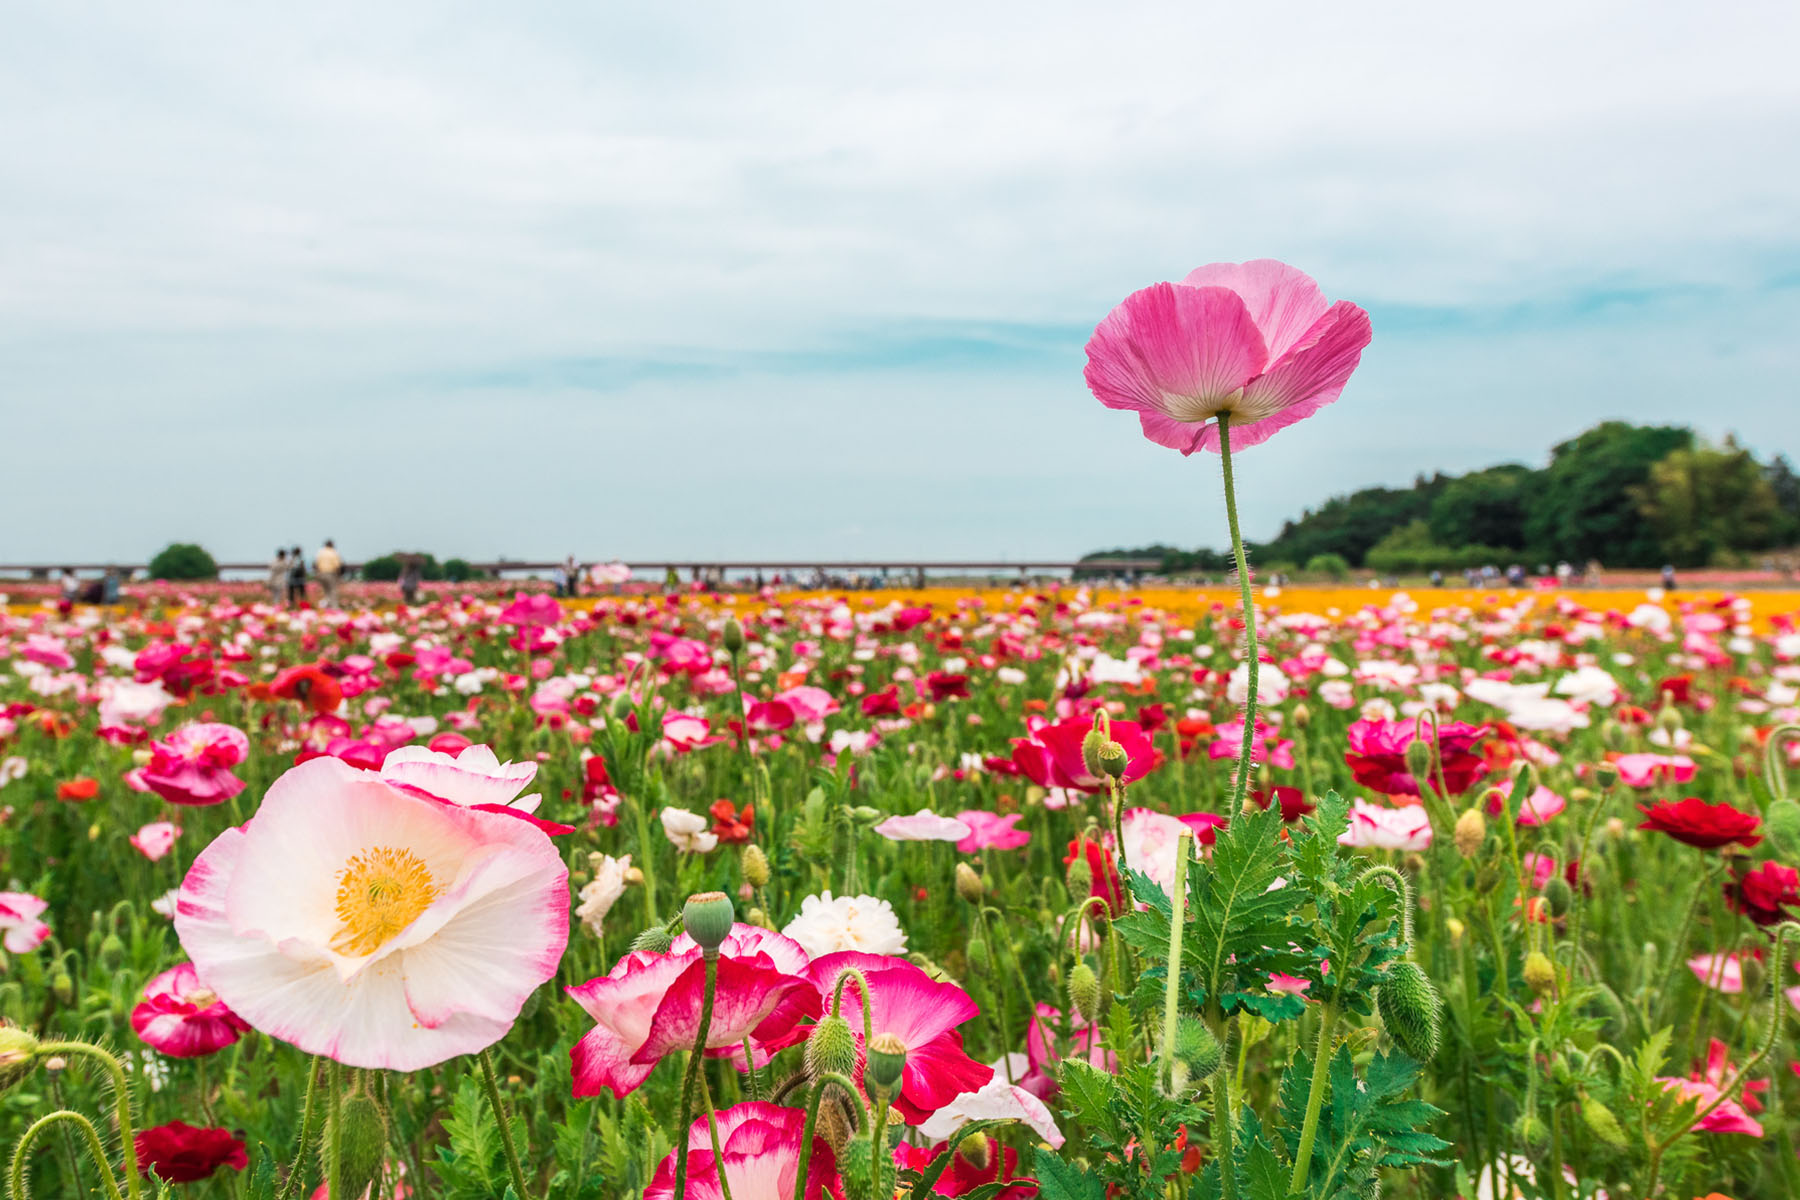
[
  {"x": 923, "y": 826},
  {"x": 997, "y": 1101},
  {"x": 471, "y": 778}
]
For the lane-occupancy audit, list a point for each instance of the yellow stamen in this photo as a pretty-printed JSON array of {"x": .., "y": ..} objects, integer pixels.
[{"x": 380, "y": 892}]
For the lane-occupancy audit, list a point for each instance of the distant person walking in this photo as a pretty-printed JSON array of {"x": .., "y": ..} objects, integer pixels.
[
  {"x": 296, "y": 578},
  {"x": 278, "y": 571},
  {"x": 411, "y": 575},
  {"x": 330, "y": 567},
  {"x": 70, "y": 589},
  {"x": 1668, "y": 577}
]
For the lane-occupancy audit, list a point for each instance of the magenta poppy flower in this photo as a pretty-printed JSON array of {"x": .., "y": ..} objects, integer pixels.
[
  {"x": 20, "y": 928},
  {"x": 1377, "y": 755},
  {"x": 1256, "y": 340},
  {"x": 992, "y": 831},
  {"x": 648, "y": 1006},
  {"x": 1051, "y": 756},
  {"x": 1535, "y": 809},
  {"x": 193, "y": 764},
  {"x": 535, "y": 609},
  {"x": 922, "y": 1013},
  {"x": 1649, "y": 770},
  {"x": 182, "y": 1018},
  {"x": 760, "y": 1143}
]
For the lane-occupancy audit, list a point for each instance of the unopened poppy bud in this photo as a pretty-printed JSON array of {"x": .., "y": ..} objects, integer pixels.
[
  {"x": 1418, "y": 759},
  {"x": 112, "y": 951},
  {"x": 1558, "y": 895},
  {"x": 887, "y": 1060},
  {"x": 864, "y": 814},
  {"x": 1668, "y": 718},
  {"x": 1783, "y": 827},
  {"x": 831, "y": 1048},
  {"x": 1471, "y": 832},
  {"x": 1487, "y": 878},
  {"x": 1112, "y": 759},
  {"x": 759, "y": 918},
  {"x": 1751, "y": 970},
  {"x": 1197, "y": 1048},
  {"x": 1540, "y": 973},
  {"x": 977, "y": 1150},
  {"x": 835, "y": 1127},
  {"x": 361, "y": 1137},
  {"x": 968, "y": 884},
  {"x": 732, "y": 636},
  {"x": 1091, "y": 743},
  {"x": 1606, "y": 774},
  {"x": 755, "y": 865},
  {"x": 63, "y": 987},
  {"x": 707, "y": 917},
  {"x": 1602, "y": 1123},
  {"x": 1411, "y": 1009},
  {"x": 634, "y": 877},
  {"x": 654, "y": 940},
  {"x": 18, "y": 1055},
  {"x": 621, "y": 706},
  {"x": 1532, "y": 1131},
  {"x": 977, "y": 954},
  {"x": 1079, "y": 877},
  {"x": 1302, "y": 716},
  {"x": 1084, "y": 992}
]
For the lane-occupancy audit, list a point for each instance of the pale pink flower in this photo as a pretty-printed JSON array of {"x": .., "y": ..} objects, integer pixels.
[
  {"x": 992, "y": 831},
  {"x": 156, "y": 839},
  {"x": 1721, "y": 972},
  {"x": 474, "y": 777},
  {"x": 1375, "y": 827},
  {"x": 19, "y": 912},
  {"x": 1648, "y": 770},
  {"x": 924, "y": 826},
  {"x": 1257, "y": 340}
]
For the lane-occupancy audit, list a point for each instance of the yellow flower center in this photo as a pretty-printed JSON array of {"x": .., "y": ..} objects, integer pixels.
[{"x": 380, "y": 892}]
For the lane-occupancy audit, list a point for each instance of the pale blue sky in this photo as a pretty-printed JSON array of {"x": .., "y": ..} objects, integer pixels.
[{"x": 726, "y": 279}]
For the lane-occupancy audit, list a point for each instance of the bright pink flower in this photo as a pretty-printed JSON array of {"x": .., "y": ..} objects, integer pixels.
[
  {"x": 183, "y": 1019},
  {"x": 924, "y": 1014},
  {"x": 1288, "y": 985},
  {"x": 648, "y": 1006},
  {"x": 156, "y": 839},
  {"x": 1721, "y": 972},
  {"x": 49, "y": 651},
  {"x": 19, "y": 912},
  {"x": 760, "y": 1143},
  {"x": 193, "y": 764},
  {"x": 683, "y": 733},
  {"x": 809, "y": 703},
  {"x": 1085, "y": 1042},
  {"x": 528, "y": 611},
  {"x": 1648, "y": 770},
  {"x": 1051, "y": 756},
  {"x": 1257, "y": 340},
  {"x": 1377, "y": 756},
  {"x": 1537, "y": 808},
  {"x": 1267, "y": 746},
  {"x": 963, "y": 1177},
  {"x": 1729, "y": 1117},
  {"x": 992, "y": 831}
]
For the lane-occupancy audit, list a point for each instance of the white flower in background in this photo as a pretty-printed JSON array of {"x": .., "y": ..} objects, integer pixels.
[
  {"x": 1339, "y": 693},
  {"x": 1107, "y": 669},
  {"x": 690, "y": 832},
  {"x": 1011, "y": 676},
  {"x": 856, "y": 741},
  {"x": 1438, "y": 695},
  {"x": 1651, "y": 618},
  {"x": 599, "y": 894},
  {"x": 1589, "y": 685},
  {"x": 827, "y": 924},
  {"x": 12, "y": 768},
  {"x": 1271, "y": 685},
  {"x": 998, "y": 1101},
  {"x": 1386, "y": 675},
  {"x": 1377, "y": 709}
]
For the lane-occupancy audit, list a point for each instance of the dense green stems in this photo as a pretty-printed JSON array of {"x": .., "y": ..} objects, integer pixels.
[
  {"x": 1251, "y": 663},
  {"x": 492, "y": 1083},
  {"x": 878, "y": 1134},
  {"x": 695, "y": 1058},
  {"x": 1679, "y": 946},
  {"x": 21, "y": 1158},
  {"x": 712, "y": 1133},
  {"x": 295, "y": 1173},
  {"x": 1580, "y": 902},
  {"x": 812, "y": 1120},
  {"x": 1556, "y": 1155},
  {"x": 1222, "y": 1134},
  {"x": 1315, "y": 1099},
  {"x": 334, "y": 1138},
  {"x": 1177, "y": 926},
  {"x": 987, "y": 936},
  {"x": 121, "y": 1103}
]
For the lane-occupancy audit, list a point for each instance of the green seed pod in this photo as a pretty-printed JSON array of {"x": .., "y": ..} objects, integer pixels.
[
  {"x": 831, "y": 1048},
  {"x": 707, "y": 918},
  {"x": 1112, "y": 759},
  {"x": 1602, "y": 1123},
  {"x": 1782, "y": 824},
  {"x": 18, "y": 1055},
  {"x": 887, "y": 1060},
  {"x": 755, "y": 865},
  {"x": 1197, "y": 1048},
  {"x": 1084, "y": 992},
  {"x": 654, "y": 940},
  {"x": 732, "y": 636},
  {"x": 362, "y": 1140},
  {"x": 1558, "y": 895},
  {"x": 1411, "y": 1009}
]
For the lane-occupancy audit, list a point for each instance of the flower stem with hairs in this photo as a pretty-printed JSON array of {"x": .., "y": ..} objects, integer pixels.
[
  {"x": 1251, "y": 662},
  {"x": 695, "y": 1058},
  {"x": 492, "y": 1084}
]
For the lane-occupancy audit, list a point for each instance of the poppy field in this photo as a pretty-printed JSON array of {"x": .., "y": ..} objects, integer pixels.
[{"x": 1252, "y": 893}]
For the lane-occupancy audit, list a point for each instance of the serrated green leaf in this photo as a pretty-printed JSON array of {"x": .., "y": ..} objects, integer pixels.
[{"x": 1060, "y": 1180}]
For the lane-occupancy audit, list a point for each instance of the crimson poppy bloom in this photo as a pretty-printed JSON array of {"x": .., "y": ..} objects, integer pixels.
[
  {"x": 1102, "y": 874},
  {"x": 1765, "y": 894},
  {"x": 1293, "y": 801},
  {"x": 1696, "y": 823},
  {"x": 885, "y": 703},
  {"x": 181, "y": 1153},
  {"x": 1051, "y": 757},
  {"x": 946, "y": 686},
  {"x": 1377, "y": 756}
]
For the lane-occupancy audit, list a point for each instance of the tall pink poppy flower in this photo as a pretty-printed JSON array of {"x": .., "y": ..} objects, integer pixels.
[
  {"x": 19, "y": 913},
  {"x": 922, "y": 1013},
  {"x": 649, "y": 1004},
  {"x": 760, "y": 1143},
  {"x": 1051, "y": 756},
  {"x": 181, "y": 1017},
  {"x": 193, "y": 764},
  {"x": 373, "y": 926},
  {"x": 156, "y": 839},
  {"x": 1255, "y": 340},
  {"x": 992, "y": 831}
]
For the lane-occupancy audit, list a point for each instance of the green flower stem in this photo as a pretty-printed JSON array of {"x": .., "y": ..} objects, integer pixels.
[
  {"x": 334, "y": 1146},
  {"x": 1315, "y": 1098},
  {"x": 1774, "y": 772},
  {"x": 1601, "y": 803},
  {"x": 16, "y": 1185},
  {"x": 1184, "y": 848},
  {"x": 812, "y": 1120},
  {"x": 695, "y": 1058},
  {"x": 987, "y": 933},
  {"x": 712, "y": 1132},
  {"x": 648, "y": 866},
  {"x": 1222, "y": 1126},
  {"x": 492, "y": 1083},
  {"x": 878, "y": 1134},
  {"x": 295, "y": 1172},
  {"x": 121, "y": 1103},
  {"x": 1251, "y": 663},
  {"x": 1679, "y": 945}
]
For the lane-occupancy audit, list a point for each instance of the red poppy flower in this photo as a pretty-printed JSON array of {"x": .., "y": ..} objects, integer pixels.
[
  {"x": 311, "y": 685},
  {"x": 945, "y": 686},
  {"x": 1051, "y": 756},
  {"x": 730, "y": 825},
  {"x": 1764, "y": 894},
  {"x": 963, "y": 1177},
  {"x": 885, "y": 703},
  {"x": 1102, "y": 874},
  {"x": 1697, "y": 823},
  {"x": 80, "y": 789},
  {"x": 180, "y": 1153},
  {"x": 1377, "y": 756},
  {"x": 1294, "y": 804}
]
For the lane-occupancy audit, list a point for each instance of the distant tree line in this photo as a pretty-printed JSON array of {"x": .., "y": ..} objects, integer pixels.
[{"x": 1619, "y": 494}]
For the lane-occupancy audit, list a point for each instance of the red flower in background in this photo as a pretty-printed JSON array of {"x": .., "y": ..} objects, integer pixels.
[
  {"x": 730, "y": 825},
  {"x": 312, "y": 685},
  {"x": 1696, "y": 823},
  {"x": 1293, "y": 801},
  {"x": 885, "y": 703},
  {"x": 1765, "y": 894},
  {"x": 1051, "y": 756},
  {"x": 1377, "y": 756},
  {"x": 1102, "y": 874},
  {"x": 80, "y": 789},
  {"x": 945, "y": 686},
  {"x": 963, "y": 1176},
  {"x": 180, "y": 1153}
]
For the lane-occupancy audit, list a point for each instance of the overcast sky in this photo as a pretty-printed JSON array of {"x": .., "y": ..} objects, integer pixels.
[{"x": 763, "y": 279}]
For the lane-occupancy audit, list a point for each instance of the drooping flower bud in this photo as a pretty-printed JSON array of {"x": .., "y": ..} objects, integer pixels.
[
  {"x": 1558, "y": 895},
  {"x": 1411, "y": 1009},
  {"x": 1602, "y": 1123},
  {"x": 362, "y": 1137},
  {"x": 977, "y": 1149},
  {"x": 755, "y": 865},
  {"x": 1079, "y": 876},
  {"x": 978, "y": 956},
  {"x": 1084, "y": 992},
  {"x": 1532, "y": 1131},
  {"x": 1540, "y": 973},
  {"x": 1418, "y": 760},
  {"x": 732, "y": 636},
  {"x": 831, "y": 1048},
  {"x": 1197, "y": 1048},
  {"x": 18, "y": 1055},
  {"x": 62, "y": 986},
  {"x": 968, "y": 884},
  {"x": 1471, "y": 832},
  {"x": 887, "y": 1060},
  {"x": 707, "y": 917}
]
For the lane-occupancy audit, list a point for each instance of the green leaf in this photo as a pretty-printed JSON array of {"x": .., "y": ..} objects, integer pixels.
[
  {"x": 1060, "y": 1180},
  {"x": 1088, "y": 1094}
]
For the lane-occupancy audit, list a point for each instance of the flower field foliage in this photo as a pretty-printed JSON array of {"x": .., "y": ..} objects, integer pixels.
[{"x": 785, "y": 896}]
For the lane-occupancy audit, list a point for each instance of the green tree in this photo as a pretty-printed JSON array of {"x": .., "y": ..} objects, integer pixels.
[
  {"x": 1786, "y": 484},
  {"x": 1485, "y": 507},
  {"x": 1584, "y": 507},
  {"x": 1331, "y": 566},
  {"x": 1351, "y": 525},
  {"x": 1705, "y": 502},
  {"x": 183, "y": 560}
]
